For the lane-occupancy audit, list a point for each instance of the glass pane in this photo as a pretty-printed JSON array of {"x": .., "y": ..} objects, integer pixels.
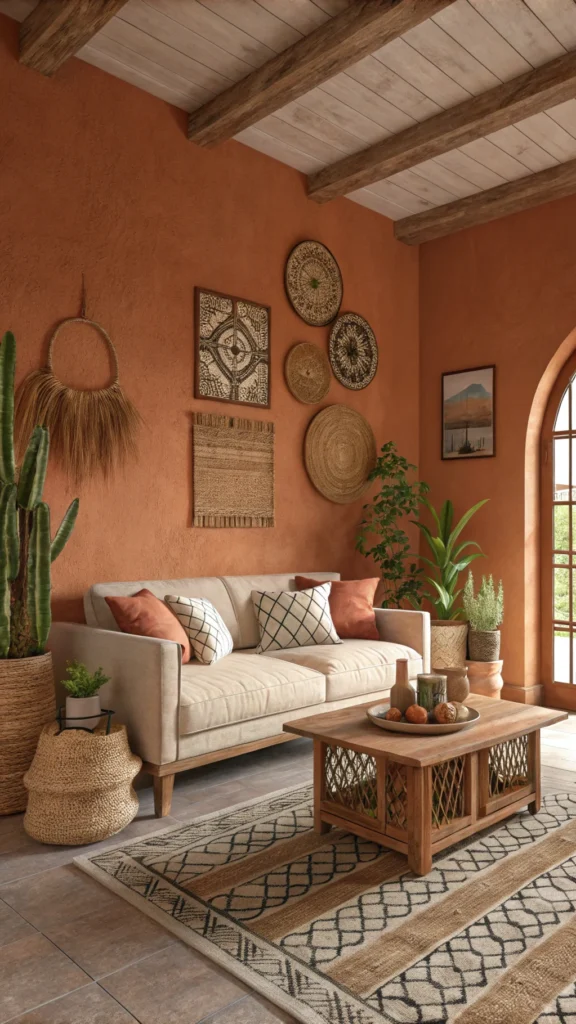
[
  {"x": 561, "y": 657},
  {"x": 561, "y": 532},
  {"x": 562, "y": 416},
  {"x": 561, "y": 595},
  {"x": 561, "y": 559},
  {"x": 561, "y": 469}
]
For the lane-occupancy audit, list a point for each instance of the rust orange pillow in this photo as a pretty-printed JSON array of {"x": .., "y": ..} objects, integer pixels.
[
  {"x": 145, "y": 615},
  {"x": 351, "y": 606}
]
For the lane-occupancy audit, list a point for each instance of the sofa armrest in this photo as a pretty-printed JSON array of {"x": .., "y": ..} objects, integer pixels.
[
  {"x": 406, "y": 627},
  {"x": 144, "y": 687}
]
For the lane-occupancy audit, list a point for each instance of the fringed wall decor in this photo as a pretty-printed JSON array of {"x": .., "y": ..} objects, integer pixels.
[
  {"x": 233, "y": 471},
  {"x": 91, "y": 431}
]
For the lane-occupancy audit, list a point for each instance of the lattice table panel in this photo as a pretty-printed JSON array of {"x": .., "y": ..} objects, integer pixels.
[
  {"x": 350, "y": 780},
  {"x": 508, "y": 767},
  {"x": 396, "y": 795},
  {"x": 448, "y": 791}
]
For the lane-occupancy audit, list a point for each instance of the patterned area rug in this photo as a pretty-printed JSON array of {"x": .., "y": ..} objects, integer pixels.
[{"x": 334, "y": 928}]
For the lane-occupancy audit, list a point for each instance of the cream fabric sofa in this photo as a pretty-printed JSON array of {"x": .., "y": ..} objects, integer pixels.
[{"x": 181, "y": 716}]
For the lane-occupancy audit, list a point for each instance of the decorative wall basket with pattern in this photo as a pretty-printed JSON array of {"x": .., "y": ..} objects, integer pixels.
[
  {"x": 307, "y": 371},
  {"x": 91, "y": 431},
  {"x": 340, "y": 453},
  {"x": 313, "y": 283},
  {"x": 353, "y": 351},
  {"x": 448, "y": 643},
  {"x": 27, "y": 703}
]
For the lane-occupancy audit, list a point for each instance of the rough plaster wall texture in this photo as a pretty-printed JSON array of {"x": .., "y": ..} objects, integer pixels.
[
  {"x": 97, "y": 176},
  {"x": 501, "y": 293}
]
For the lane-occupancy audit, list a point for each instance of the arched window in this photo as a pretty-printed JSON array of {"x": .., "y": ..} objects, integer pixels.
[{"x": 558, "y": 521}]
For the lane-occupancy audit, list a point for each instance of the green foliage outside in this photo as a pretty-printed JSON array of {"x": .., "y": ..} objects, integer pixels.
[
  {"x": 484, "y": 610},
  {"x": 81, "y": 682},
  {"x": 26, "y": 549},
  {"x": 562, "y": 576},
  {"x": 381, "y": 536},
  {"x": 447, "y": 561}
]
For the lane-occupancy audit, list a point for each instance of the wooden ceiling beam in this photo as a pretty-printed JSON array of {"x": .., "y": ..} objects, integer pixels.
[
  {"x": 512, "y": 101},
  {"x": 512, "y": 197},
  {"x": 356, "y": 32},
  {"x": 56, "y": 29}
]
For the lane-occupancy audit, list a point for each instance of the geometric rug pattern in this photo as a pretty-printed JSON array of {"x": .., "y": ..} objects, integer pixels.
[{"x": 333, "y": 928}]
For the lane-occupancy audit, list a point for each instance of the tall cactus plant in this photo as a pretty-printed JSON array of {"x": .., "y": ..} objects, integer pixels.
[{"x": 26, "y": 549}]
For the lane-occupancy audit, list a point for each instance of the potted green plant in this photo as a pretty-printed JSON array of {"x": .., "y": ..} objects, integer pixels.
[
  {"x": 382, "y": 539},
  {"x": 448, "y": 560},
  {"x": 83, "y": 700},
  {"x": 26, "y": 552},
  {"x": 485, "y": 612}
]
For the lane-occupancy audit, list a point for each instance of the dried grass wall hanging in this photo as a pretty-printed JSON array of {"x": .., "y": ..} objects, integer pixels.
[{"x": 91, "y": 431}]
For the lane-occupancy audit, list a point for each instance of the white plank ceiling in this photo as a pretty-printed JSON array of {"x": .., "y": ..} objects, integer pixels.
[{"x": 186, "y": 51}]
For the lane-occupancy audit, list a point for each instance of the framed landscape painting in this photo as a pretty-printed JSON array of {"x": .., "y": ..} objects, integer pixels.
[{"x": 468, "y": 414}]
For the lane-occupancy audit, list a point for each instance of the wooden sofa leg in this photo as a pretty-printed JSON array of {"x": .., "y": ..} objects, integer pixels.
[{"x": 163, "y": 788}]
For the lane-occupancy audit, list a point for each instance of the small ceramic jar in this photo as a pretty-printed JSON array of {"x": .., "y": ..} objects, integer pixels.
[{"x": 458, "y": 687}]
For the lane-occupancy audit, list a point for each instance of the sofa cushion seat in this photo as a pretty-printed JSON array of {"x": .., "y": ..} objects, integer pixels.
[
  {"x": 244, "y": 686},
  {"x": 353, "y": 667}
]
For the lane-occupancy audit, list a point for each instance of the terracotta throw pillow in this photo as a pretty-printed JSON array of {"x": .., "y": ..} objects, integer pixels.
[
  {"x": 145, "y": 615},
  {"x": 351, "y": 606}
]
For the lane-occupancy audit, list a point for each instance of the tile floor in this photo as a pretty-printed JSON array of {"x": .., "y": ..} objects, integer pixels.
[{"x": 71, "y": 952}]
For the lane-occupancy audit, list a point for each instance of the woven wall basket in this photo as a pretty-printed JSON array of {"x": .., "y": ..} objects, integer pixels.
[
  {"x": 80, "y": 786},
  {"x": 26, "y": 703},
  {"x": 448, "y": 643},
  {"x": 340, "y": 453},
  {"x": 307, "y": 372}
]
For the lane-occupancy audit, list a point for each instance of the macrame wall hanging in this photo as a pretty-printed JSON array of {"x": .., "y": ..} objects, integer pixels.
[{"x": 91, "y": 431}]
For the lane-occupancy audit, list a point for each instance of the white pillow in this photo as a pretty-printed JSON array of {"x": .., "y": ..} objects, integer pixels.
[
  {"x": 209, "y": 635},
  {"x": 294, "y": 618}
]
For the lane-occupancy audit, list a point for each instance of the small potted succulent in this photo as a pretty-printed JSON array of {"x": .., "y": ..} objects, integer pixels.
[
  {"x": 83, "y": 700},
  {"x": 485, "y": 612}
]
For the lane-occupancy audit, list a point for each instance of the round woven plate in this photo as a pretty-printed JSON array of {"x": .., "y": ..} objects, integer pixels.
[
  {"x": 430, "y": 729},
  {"x": 313, "y": 283},
  {"x": 353, "y": 351},
  {"x": 307, "y": 371},
  {"x": 339, "y": 452}
]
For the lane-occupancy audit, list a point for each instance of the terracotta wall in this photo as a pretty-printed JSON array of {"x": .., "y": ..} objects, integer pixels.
[
  {"x": 501, "y": 293},
  {"x": 97, "y": 176}
]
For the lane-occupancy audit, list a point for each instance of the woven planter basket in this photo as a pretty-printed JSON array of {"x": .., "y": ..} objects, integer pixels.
[
  {"x": 80, "y": 786},
  {"x": 448, "y": 643},
  {"x": 27, "y": 702},
  {"x": 484, "y": 645}
]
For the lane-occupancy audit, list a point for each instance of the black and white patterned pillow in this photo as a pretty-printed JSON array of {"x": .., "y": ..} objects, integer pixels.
[
  {"x": 294, "y": 619},
  {"x": 209, "y": 635}
]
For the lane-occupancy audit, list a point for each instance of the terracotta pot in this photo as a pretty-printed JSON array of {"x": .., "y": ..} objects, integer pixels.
[
  {"x": 484, "y": 644},
  {"x": 448, "y": 643},
  {"x": 458, "y": 685},
  {"x": 485, "y": 677},
  {"x": 27, "y": 703}
]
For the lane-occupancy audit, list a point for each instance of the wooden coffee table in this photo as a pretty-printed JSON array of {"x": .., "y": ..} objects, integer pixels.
[{"x": 420, "y": 794}]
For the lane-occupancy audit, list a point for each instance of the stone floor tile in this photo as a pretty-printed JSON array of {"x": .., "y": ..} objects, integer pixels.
[
  {"x": 252, "y": 1010},
  {"x": 176, "y": 986},
  {"x": 12, "y": 926},
  {"x": 110, "y": 938},
  {"x": 89, "y": 1005},
  {"x": 53, "y": 898},
  {"x": 32, "y": 971}
]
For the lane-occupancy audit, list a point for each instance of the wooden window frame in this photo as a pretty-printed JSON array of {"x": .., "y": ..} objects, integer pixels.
[{"x": 562, "y": 695}]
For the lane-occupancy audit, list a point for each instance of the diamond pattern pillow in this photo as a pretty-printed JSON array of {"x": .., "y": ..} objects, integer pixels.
[
  {"x": 208, "y": 633},
  {"x": 288, "y": 619}
]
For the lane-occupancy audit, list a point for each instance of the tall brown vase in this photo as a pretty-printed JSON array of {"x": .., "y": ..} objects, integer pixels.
[{"x": 27, "y": 703}]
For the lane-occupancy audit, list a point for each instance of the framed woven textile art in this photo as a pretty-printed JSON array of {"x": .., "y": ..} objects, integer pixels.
[
  {"x": 232, "y": 349},
  {"x": 233, "y": 471}
]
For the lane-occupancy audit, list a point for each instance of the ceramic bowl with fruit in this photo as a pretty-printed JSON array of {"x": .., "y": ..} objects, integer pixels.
[{"x": 448, "y": 716}]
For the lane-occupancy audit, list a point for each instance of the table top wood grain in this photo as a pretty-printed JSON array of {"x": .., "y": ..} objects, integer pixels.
[{"x": 500, "y": 720}]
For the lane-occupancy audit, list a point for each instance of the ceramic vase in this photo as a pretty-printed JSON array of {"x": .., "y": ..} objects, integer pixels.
[
  {"x": 485, "y": 677},
  {"x": 402, "y": 694},
  {"x": 458, "y": 687},
  {"x": 448, "y": 643},
  {"x": 81, "y": 712}
]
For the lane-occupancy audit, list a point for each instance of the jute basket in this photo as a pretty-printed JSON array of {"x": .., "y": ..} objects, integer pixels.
[
  {"x": 448, "y": 643},
  {"x": 484, "y": 644},
  {"x": 26, "y": 703},
  {"x": 80, "y": 786}
]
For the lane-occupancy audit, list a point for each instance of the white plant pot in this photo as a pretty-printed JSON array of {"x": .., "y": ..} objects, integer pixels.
[{"x": 79, "y": 711}]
